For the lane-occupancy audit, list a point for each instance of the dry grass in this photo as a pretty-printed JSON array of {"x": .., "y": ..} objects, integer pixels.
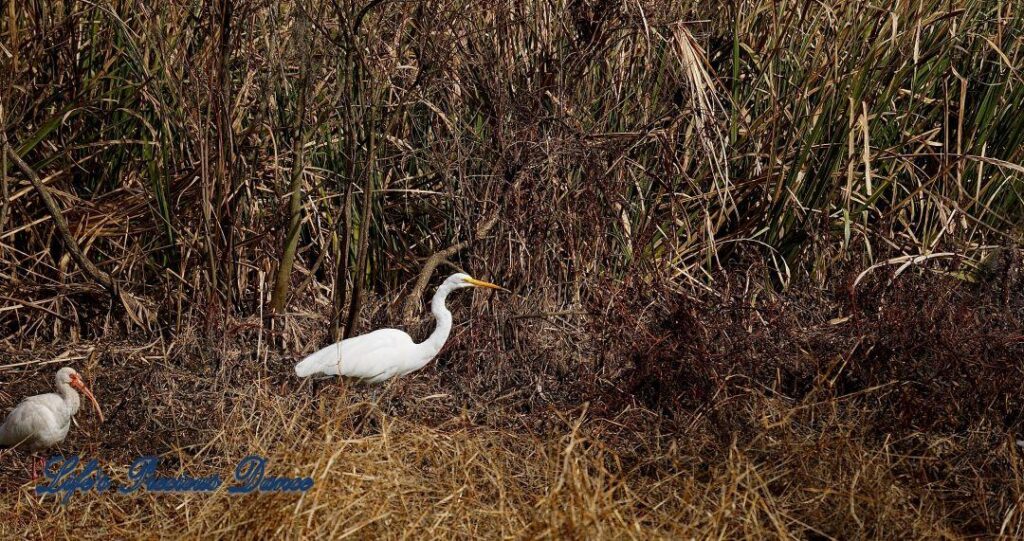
[
  {"x": 810, "y": 472},
  {"x": 768, "y": 422},
  {"x": 765, "y": 259}
]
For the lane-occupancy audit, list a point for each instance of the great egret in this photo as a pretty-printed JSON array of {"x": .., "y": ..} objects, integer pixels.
[
  {"x": 382, "y": 354},
  {"x": 43, "y": 420}
]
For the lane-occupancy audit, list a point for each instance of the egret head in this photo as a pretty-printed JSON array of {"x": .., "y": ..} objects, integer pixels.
[
  {"x": 464, "y": 280},
  {"x": 68, "y": 376}
]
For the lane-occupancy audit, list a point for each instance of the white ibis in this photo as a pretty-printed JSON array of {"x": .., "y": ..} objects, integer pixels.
[
  {"x": 385, "y": 353},
  {"x": 42, "y": 421}
]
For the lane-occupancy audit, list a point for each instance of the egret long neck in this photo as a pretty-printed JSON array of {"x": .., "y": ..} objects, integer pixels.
[
  {"x": 444, "y": 320},
  {"x": 70, "y": 396}
]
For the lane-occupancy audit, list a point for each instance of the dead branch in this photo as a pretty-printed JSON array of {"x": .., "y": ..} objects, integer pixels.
[
  {"x": 4, "y": 192},
  {"x": 5, "y": 195},
  {"x": 409, "y": 310},
  {"x": 70, "y": 243}
]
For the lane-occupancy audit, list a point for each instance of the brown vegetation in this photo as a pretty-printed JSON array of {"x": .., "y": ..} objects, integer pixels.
[{"x": 764, "y": 259}]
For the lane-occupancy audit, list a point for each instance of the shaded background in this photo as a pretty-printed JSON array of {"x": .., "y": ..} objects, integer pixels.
[{"x": 739, "y": 232}]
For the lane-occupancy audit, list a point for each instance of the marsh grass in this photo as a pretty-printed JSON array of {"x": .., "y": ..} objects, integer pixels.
[
  {"x": 811, "y": 471},
  {"x": 200, "y": 149},
  {"x": 764, "y": 255},
  {"x": 757, "y": 416}
]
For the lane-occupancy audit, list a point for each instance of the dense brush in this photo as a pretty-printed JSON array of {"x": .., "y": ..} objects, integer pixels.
[{"x": 765, "y": 259}]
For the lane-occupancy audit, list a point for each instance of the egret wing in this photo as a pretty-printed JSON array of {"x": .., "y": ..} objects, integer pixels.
[{"x": 364, "y": 356}]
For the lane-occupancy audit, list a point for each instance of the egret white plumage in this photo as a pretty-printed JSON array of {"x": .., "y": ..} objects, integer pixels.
[
  {"x": 386, "y": 353},
  {"x": 42, "y": 421}
]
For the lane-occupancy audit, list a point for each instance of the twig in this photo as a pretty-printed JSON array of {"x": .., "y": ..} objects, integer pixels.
[
  {"x": 544, "y": 315},
  {"x": 5, "y": 195},
  {"x": 37, "y": 306},
  {"x": 70, "y": 243}
]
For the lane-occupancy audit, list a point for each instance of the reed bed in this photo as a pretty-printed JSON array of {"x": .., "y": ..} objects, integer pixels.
[{"x": 765, "y": 261}]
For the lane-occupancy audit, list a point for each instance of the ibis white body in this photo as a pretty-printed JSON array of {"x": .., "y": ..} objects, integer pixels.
[
  {"x": 42, "y": 421},
  {"x": 386, "y": 353}
]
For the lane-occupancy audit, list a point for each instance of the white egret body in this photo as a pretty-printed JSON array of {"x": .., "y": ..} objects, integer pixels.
[
  {"x": 386, "y": 353},
  {"x": 42, "y": 421}
]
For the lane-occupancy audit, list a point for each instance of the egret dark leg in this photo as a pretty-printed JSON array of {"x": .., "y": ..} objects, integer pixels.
[
  {"x": 388, "y": 391},
  {"x": 400, "y": 385},
  {"x": 393, "y": 387}
]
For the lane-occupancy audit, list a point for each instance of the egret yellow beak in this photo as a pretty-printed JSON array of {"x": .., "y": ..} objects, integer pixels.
[{"x": 481, "y": 283}]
